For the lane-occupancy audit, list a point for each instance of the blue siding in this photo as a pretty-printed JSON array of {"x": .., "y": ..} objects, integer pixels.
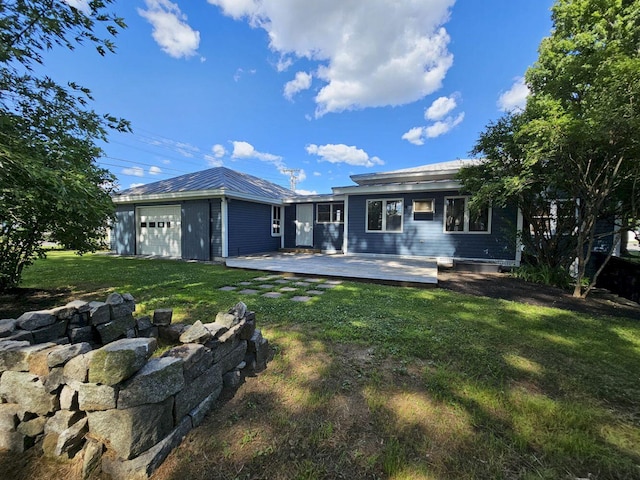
[
  {"x": 123, "y": 233},
  {"x": 216, "y": 228},
  {"x": 290, "y": 226},
  {"x": 195, "y": 230},
  {"x": 326, "y": 236},
  {"x": 250, "y": 228},
  {"x": 424, "y": 235}
]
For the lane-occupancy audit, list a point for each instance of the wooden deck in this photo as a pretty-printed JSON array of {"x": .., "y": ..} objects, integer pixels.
[{"x": 395, "y": 270}]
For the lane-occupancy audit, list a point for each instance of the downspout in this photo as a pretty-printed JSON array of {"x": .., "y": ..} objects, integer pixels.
[
  {"x": 520, "y": 223},
  {"x": 224, "y": 233}
]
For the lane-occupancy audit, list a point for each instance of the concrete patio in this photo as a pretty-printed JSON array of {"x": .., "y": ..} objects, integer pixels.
[{"x": 396, "y": 270}]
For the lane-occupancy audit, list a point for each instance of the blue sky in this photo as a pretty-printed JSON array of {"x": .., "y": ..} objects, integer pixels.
[{"x": 330, "y": 89}]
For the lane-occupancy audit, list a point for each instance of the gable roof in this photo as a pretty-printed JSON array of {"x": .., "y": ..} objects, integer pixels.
[{"x": 218, "y": 181}]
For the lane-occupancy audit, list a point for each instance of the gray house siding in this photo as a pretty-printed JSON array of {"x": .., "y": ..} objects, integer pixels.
[
  {"x": 423, "y": 234},
  {"x": 215, "y": 228},
  {"x": 195, "y": 230},
  {"x": 123, "y": 233},
  {"x": 250, "y": 228}
]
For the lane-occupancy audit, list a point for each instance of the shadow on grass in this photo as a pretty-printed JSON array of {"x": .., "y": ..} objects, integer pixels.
[{"x": 384, "y": 382}]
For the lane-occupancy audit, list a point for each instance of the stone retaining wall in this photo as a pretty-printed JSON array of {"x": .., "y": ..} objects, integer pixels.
[{"x": 83, "y": 378}]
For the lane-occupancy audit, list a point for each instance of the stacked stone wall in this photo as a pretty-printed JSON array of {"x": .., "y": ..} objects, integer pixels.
[{"x": 85, "y": 379}]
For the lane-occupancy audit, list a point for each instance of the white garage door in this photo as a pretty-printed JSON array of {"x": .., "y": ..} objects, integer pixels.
[{"x": 159, "y": 230}]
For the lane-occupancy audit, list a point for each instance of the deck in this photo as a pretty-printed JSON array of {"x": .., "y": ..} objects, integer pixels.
[{"x": 400, "y": 271}]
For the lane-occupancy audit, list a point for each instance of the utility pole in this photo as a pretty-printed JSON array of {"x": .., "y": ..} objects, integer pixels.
[{"x": 293, "y": 176}]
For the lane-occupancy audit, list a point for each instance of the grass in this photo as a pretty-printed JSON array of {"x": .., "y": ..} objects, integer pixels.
[{"x": 371, "y": 381}]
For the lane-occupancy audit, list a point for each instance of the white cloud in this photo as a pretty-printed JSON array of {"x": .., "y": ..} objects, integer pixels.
[
  {"x": 155, "y": 170},
  {"x": 241, "y": 71},
  {"x": 317, "y": 174},
  {"x": 246, "y": 150},
  {"x": 133, "y": 171},
  {"x": 415, "y": 136},
  {"x": 166, "y": 162},
  {"x": 170, "y": 29},
  {"x": 515, "y": 98},
  {"x": 371, "y": 54},
  {"x": 218, "y": 151},
  {"x": 284, "y": 63},
  {"x": 302, "y": 81},
  {"x": 300, "y": 191},
  {"x": 81, "y": 5},
  {"x": 443, "y": 126},
  {"x": 134, "y": 185},
  {"x": 440, "y": 107},
  {"x": 418, "y": 135},
  {"x": 340, "y": 153}
]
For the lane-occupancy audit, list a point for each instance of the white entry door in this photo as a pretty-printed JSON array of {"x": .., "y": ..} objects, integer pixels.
[
  {"x": 159, "y": 231},
  {"x": 304, "y": 225}
]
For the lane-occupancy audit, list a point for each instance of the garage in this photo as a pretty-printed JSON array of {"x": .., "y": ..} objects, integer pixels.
[{"x": 159, "y": 230}]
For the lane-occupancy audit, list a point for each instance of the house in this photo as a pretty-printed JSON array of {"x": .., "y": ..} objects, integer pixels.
[
  {"x": 218, "y": 213},
  {"x": 215, "y": 213}
]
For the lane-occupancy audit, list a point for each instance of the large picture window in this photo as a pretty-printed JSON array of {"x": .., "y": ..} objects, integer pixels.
[
  {"x": 276, "y": 221},
  {"x": 330, "y": 212},
  {"x": 384, "y": 215},
  {"x": 459, "y": 219}
]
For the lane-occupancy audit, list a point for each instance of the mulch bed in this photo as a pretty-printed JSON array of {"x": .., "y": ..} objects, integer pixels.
[{"x": 503, "y": 286}]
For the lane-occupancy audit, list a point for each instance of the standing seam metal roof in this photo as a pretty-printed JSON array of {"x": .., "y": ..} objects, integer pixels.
[{"x": 218, "y": 178}]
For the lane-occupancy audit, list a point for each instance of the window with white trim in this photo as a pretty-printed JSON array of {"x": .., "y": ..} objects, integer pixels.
[
  {"x": 330, "y": 212},
  {"x": 276, "y": 221},
  {"x": 384, "y": 215},
  {"x": 459, "y": 219}
]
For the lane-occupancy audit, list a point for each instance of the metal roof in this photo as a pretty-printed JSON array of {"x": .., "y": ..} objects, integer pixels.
[
  {"x": 219, "y": 178},
  {"x": 434, "y": 171}
]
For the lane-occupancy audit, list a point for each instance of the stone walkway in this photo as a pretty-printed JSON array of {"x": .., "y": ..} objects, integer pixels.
[{"x": 297, "y": 289}]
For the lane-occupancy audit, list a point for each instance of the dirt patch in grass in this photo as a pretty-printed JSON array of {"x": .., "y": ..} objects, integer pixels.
[{"x": 503, "y": 286}]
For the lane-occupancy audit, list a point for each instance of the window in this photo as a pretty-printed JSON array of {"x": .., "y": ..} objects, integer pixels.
[
  {"x": 384, "y": 215},
  {"x": 458, "y": 218},
  {"x": 276, "y": 221},
  {"x": 553, "y": 216},
  {"x": 330, "y": 213},
  {"x": 423, "y": 206}
]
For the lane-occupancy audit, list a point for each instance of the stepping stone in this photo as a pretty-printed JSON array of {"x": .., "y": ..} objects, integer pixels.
[
  {"x": 288, "y": 289},
  {"x": 265, "y": 286},
  {"x": 326, "y": 285},
  {"x": 248, "y": 291},
  {"x": 227, "y": 289},
  {"x": 302, "y": 284},
  {"x": 272, "y": 295},
  {"x": 334, "y": 282},
  {"x": 261, "y": 279},
  {"x": 245, "y": 284},
  {"x": 282, "y": 282},
  {"x": 315, "y": 292},
  {"x": 314, "y": 280},
  {"x": 301, "y": 298},
  {"x": 273, "y": 277},
  {"x": 293, "y": 279}
]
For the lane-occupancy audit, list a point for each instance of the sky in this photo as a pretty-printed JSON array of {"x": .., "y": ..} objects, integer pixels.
[{"x": 317, "y": 90}]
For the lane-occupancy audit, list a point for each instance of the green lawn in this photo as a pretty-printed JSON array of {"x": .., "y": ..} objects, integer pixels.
[{"x": 374, "y": 381}]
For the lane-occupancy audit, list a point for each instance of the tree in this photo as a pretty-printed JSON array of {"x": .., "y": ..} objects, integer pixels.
[
  {"x": 50, "y": 183},
  {"x": 577, "y": 138}
]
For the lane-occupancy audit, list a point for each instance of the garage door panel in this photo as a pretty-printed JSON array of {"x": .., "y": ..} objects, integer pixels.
[{"x": 159, "y": 231}]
